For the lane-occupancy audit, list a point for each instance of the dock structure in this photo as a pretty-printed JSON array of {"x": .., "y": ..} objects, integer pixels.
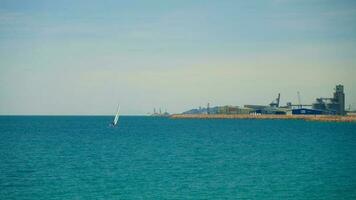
[
  {"x": 322, "y": 106},
  {"x": 326, "y": 118}
]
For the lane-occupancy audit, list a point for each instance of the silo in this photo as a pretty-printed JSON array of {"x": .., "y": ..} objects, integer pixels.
[{"x": 339, "y": 99}]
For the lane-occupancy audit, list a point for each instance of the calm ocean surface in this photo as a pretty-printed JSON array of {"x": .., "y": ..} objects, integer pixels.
[{"x": 160, "y": 158}]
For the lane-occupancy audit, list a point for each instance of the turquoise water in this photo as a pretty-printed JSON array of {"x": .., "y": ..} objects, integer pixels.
[{"x": 160, "y": 158}]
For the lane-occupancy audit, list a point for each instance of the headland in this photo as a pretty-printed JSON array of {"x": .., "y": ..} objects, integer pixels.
[{"x": 329, "y": 109}]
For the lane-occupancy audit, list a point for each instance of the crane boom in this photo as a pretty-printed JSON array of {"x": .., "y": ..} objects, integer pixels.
[{"x": 299, "y": 101}]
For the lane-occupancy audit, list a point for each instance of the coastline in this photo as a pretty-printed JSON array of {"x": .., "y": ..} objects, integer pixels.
[{"x": 325, "y": 118}]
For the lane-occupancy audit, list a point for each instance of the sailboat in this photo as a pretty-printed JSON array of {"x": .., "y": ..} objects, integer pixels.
[{"x": 116, "y": 119}]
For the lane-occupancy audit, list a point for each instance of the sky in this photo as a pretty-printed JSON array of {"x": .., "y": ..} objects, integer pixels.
[{"x": 84, "y": 57}]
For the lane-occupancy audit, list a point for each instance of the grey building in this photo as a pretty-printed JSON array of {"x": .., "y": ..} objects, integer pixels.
[{"x": 336, "y": 104}]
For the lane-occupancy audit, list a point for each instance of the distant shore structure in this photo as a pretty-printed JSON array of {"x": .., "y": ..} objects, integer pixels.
[
  {"x": 335, "y": 104},
  {"x": 322, "y": 106},
  {"x": 159, "y": 113},
  {"x": 324, "y": 118}
]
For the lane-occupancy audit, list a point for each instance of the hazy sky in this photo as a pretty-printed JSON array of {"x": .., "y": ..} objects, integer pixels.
[{"x": 83, "y": 57}]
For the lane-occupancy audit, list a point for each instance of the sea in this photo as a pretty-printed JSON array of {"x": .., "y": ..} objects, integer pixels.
[{"x": 83, "y": 157}]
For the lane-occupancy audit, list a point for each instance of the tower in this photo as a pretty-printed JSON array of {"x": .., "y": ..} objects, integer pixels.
[{"x": 339, "y": 98}]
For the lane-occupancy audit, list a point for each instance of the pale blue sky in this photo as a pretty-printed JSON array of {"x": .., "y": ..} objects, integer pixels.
[{"x": 82, "y": 57}]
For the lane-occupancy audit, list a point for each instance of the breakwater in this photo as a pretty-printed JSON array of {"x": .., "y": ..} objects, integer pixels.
[{"x": 326, "y": 118}]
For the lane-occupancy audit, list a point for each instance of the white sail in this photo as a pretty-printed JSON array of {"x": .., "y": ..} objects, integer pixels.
[{"x": 117, "y": 115}]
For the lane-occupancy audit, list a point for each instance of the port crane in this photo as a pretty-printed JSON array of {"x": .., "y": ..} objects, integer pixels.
[
  {"x": 299, "y": 105},
  {"x": 275, "y": 103}
]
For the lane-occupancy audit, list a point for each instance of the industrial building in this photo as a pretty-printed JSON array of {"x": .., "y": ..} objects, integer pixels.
[
  {"x": 335, "y": 105},
  {"x": 306, "y": 111},
  {"x": 272, "y": 108},
  {"x": 233, "y": 110},
  {"x": 322, "y": 106}
]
